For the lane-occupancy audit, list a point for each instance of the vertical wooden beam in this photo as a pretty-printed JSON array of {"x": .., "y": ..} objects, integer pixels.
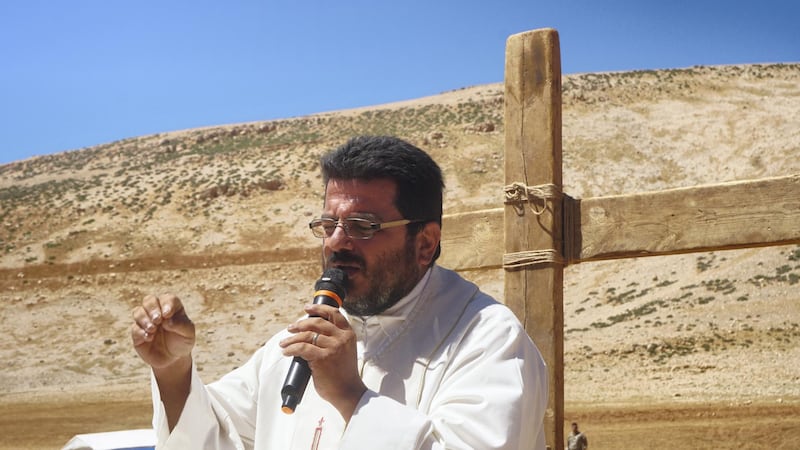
[{"x": 533, "y": 157}]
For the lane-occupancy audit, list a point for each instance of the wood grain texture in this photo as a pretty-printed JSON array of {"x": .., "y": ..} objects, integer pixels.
[
  {"x": 742, "y": 214},
  {"x": 533, "y": 157}
]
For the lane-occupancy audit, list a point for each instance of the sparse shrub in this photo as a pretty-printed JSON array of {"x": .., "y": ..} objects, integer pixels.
[
  {"x": 704, "y": 262},
  {"x": 704, "y": 300},
  {"x": 725, "y": 286}
]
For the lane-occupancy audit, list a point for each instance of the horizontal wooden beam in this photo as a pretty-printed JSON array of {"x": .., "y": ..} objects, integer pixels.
[
  {"x": 756, "y": 213},
  {"x": 473, "y": 240},
  {"x": 724, "y": 216}
]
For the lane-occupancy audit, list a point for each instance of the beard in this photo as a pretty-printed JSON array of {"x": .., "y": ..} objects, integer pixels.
[{"x": 389, "y": 279}]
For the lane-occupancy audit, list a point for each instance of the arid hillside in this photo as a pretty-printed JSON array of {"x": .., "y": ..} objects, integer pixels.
[{"x": 218, "y": 215}]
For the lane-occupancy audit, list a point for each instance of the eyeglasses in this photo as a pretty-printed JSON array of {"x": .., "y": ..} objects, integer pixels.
[{"x": 354, "y": 227}]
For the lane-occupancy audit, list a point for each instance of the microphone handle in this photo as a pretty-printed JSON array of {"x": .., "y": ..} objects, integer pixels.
[{"x": 299, "y": 373}]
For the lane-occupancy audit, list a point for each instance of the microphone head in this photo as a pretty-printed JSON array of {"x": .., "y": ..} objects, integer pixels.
[{"x": 333, "y": 279}]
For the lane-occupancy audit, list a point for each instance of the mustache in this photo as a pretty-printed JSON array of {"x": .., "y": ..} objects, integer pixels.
[{"x": 345, "y": 258}]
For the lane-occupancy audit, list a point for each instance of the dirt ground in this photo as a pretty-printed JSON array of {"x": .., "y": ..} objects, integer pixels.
[
  {"x": 62, "y": 378},
  {"x": 50, "y": 421}
]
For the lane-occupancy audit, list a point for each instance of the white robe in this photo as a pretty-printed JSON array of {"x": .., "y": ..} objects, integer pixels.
[{"x": 446, "y": 367}]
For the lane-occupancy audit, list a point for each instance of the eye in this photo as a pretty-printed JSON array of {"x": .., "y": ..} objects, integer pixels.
[
  {"x": 328, "y": 225},
  {"x": 361, "y": 227}
]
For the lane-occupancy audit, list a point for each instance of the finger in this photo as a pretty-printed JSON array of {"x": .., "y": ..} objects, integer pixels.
[
  {"x": 338, "y": 319},
  {"x": 161, "y": 307},
  {"x": 141, "y": 335},
  {"x": 302, "y": 338},
  {"x": 306, "y": 323},
  {"x": 180, "y": 324},
  {"x": 152, "y": 307},
  {"x": 142, "y": 320},
  {"x": 138, "y": 335},
  {"x": 328, "y": 313},
  {"x": 170, "y": 305}
]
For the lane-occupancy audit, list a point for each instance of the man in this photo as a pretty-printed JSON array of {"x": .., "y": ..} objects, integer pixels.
[
  {"x": 577, "y": 440},
  {"x": 418, "y": 359}
]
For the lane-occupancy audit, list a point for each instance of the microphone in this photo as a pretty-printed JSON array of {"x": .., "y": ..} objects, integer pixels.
[{"x": 330, "y": 290}]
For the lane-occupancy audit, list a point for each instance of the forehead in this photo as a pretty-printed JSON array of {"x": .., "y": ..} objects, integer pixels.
[{"x": 343, "y": 197}]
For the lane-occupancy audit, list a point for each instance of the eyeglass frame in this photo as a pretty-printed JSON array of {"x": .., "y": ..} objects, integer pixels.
[{"x": 375, "y": 227}]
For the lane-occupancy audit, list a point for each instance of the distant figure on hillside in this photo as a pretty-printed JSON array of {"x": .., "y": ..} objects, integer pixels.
[
  {"x": 416, "y": 358},
  {"x": 577, "y": 440}
]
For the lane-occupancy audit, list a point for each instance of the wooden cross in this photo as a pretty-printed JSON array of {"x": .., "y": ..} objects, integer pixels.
[
  {"x": 533, "y": 159},
  {"x": 545, "y": 229}
]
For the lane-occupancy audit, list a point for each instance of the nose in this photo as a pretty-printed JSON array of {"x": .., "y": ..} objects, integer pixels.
[{"x": 338, "y": 240}]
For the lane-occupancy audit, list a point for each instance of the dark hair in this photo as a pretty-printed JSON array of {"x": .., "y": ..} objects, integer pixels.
[{"x": 417, "y": 176}]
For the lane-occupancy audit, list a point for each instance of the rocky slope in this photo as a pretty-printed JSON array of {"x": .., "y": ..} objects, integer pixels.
[{"x": 218, "y": 215}]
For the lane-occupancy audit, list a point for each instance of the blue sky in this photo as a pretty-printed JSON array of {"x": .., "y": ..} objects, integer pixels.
[{"x": 79, "y": 73}]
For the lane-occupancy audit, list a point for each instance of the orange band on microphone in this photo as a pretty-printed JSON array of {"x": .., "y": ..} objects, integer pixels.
[{"x": 330, "y": 294}]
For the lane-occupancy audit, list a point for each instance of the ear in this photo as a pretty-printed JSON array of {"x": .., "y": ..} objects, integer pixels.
[{"x": 427, "y": 240}]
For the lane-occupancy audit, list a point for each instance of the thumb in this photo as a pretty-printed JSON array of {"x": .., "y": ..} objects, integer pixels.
[{"x": 179, "y": 324}]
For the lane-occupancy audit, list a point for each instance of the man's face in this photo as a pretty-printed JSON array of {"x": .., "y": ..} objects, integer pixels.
[{"x": 380, "y": 270}]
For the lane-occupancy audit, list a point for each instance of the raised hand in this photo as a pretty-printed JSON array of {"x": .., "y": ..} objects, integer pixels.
[{"x": 162, "y": 333}]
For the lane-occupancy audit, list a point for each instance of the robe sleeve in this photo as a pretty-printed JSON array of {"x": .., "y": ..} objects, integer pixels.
[
  {"x": 221, "y": 415},
  {"x": 202, "y": 424}
]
